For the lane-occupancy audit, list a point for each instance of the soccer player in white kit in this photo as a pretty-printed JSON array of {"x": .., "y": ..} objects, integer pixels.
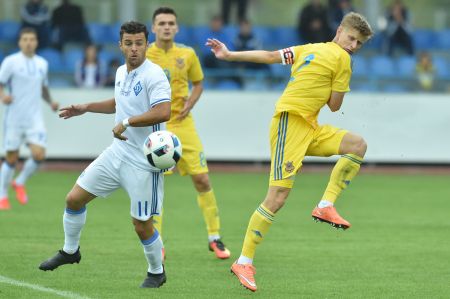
[
  {"x": 25, "y": 75},
  {"x": 142, "y": 105}
]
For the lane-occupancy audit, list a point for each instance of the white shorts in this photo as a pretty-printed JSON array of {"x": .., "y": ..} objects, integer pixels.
[
  {"x": 107, "y": 173},
  {"x": 14, "y": 137}
]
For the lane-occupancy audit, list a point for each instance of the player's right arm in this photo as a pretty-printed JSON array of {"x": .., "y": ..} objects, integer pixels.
[
  {"x": 5, "y": 75},
  {"x": 335, "y": 101},
  {"x": 106, "y": 107},
  {"x": 221, "y": 51},
  {"x": 4, "y": 98}
]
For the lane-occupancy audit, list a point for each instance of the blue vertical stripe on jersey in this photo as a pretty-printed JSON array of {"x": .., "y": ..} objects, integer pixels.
[
  {"x": 139, "y": 209},
  {"x": 146, "y": 208},
  {"x": 281, "y": 141}
]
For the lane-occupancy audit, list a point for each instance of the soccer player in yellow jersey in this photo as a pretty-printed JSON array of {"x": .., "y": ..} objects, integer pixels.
[
  {"x": 320, "y": 75},
  {"x": 181, "y": 65}
]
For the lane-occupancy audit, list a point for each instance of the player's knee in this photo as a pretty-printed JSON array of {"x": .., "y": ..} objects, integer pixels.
[
  {"x": 143, "y": 229},
  {"x": 39, "y": 157},
  {"x": 276, "y": 198},
  {"x": 72, "y": 202},
  {"x": 360, "y": 147},
  {"x": 12, "y": 158},
  {"x": 202, "y": 183}
]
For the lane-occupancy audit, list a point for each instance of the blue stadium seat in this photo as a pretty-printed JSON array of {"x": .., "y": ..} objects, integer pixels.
[
  {"x": 406, "y": 67},
  {"x": 442, "y": 67},
  {"x": 424, "y": 39},
  {"x": 106, "y": 56},
  {"x": 9, "y": 31},
  {"x": 285, "y": 36},
  {"x": 54, "y": 59},
  {"x": 60, "y": 82},
  {"x": 227, "y": 85},
  {"x": 280, "y": 71},
  {"x": 443, "y": 39},
  {"x": 360, "y": 66},
  {"x": 363, "y": 87},
  {"x": 375, "y": 43},
  {"x": 394, "y": 88},
  {"x": 184, "y": 36},
  {"x": 114, "y": 32},
  {"x": 71, "y": 58},
  {"x": 99, "y": 33},
  {"x": 382, "y": 66},
  {"x": 264, "y": 35},
  {"x": 2, "y": 56}
]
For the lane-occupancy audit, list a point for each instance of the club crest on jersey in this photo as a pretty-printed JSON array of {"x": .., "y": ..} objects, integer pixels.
[
  {"x": 289, "y": 166},
  {"x": 118, "y": 84},
  {"x": 137, "y": 88},
  {"x": 180, "y": 63}
]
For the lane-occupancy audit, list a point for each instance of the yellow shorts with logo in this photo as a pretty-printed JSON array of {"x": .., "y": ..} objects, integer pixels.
[
  {"x": 193, "y": 159},
  {"x": 292, "y": 138}
]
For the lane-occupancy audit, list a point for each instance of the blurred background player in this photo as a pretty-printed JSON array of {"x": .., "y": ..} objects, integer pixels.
[
  {"x": 25, "y": 74},
  {"x": 181, "y": 65},
  {"x": 141, "y": 105},
  {"x": 320, "y": 75}
]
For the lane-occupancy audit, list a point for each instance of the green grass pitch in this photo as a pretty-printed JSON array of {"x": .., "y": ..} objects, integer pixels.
[{"x": 398, "y": 246}]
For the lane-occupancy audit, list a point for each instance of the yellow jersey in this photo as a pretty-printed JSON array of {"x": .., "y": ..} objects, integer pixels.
[
  {"x": 181, "y": 65},
  {"x": 317, "y": 69}
]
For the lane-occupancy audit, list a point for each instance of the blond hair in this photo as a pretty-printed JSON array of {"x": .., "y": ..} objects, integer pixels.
[{"x": 356, "y": 21}]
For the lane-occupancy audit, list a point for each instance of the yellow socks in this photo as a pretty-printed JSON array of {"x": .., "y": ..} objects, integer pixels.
[
  {"x": 207, "y": 203},
  {"x": 157, "y": 222},
  {"x": 343, "y": 172},
  {"x": 257, "y": 228}
]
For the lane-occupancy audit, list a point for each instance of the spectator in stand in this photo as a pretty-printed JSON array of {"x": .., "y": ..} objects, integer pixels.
[
  {"x": 337, "y": 9},
  {"x": 217, "y": 32},
  {"x": 247, "y": 41},
  {"x": 111, "y": 74},
  {"x": 68, "y": 25},
  {"x": 241, "y": 7},
  {"x": 313, "y": 25},
  {"x": 35, "y": 14},
  {"x": 90, "y": 72},
  {"x": 398, "y": 31},
  {"x": 425, "y": 71}
]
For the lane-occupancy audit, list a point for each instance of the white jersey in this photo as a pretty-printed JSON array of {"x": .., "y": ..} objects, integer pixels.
[
  {"x": 24, "y": 77},
  {"x": 136, "y": 93}
]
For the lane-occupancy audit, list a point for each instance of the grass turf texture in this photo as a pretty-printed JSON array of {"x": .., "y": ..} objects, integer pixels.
[{"x": 398, "y": 246}]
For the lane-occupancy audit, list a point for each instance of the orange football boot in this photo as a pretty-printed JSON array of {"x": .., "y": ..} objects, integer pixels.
[
  {"x": 21, "y": 193},
  {"x": 219, "y": 249},
  {"x": 245, "y": 273},
  {"x": 4, "y": 204},
  {"x": 331, "y": 216}
]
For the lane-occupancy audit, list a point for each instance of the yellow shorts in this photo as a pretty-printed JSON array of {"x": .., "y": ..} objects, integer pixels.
[
  {"x": 193, "y": 159},
  {"x": 292, "y": 138}
]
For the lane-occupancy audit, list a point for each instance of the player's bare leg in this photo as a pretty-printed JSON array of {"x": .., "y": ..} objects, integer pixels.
[
  {"x": 152, "y": 244},
  {"x": 74, "y": 220},
  {"x": 6, "y": 175},
  {"x": 207, "y": 203},
  {"x": 258, "y": 227},
  {"x": 352, "y": 148},
  {"x": 29, "y": 168}
]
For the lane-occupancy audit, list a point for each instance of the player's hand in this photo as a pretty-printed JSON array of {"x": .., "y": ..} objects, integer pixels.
[
  {"x": 118, "y": 130},
  {"x": 72, "y": 110},
  {"x": 7, "y": 99},
  {"x": 218, "y": 48},
  {"x": 54, "y": 106},
  {"x": 185, "y": 111}
]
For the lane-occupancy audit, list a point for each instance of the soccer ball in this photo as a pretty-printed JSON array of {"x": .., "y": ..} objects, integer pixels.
[{"x": 162, "y": 149}]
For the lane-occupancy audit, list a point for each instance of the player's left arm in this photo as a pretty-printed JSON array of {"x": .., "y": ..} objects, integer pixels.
[
  {"x": 46, "y": 96},
  {"x": 189, "y": 103},
  {"x": 335, "y": 101},
  {"x": 158, "y": 114}
]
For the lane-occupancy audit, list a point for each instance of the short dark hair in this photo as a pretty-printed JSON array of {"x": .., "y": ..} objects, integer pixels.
[
  {"x": 165, "y": 10},
  {"x": 25, "y": 30},
  {"x": 133, "y": 27}
]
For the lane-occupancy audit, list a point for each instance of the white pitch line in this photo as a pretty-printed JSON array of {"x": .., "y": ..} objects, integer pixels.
[{"x": 36, "y": 287}]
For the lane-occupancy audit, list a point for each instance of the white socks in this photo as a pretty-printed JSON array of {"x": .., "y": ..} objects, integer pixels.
[
  {"x": 6, "y": 175},
  {"x": 153, "y": 252},
  {"x": 244, "y": 260},
  {"x": 28, "y": 169},
  {"x": 212, "y": 238},
  {"x": 73, "y": 223},
  {"x": 324, "y": 203}
]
